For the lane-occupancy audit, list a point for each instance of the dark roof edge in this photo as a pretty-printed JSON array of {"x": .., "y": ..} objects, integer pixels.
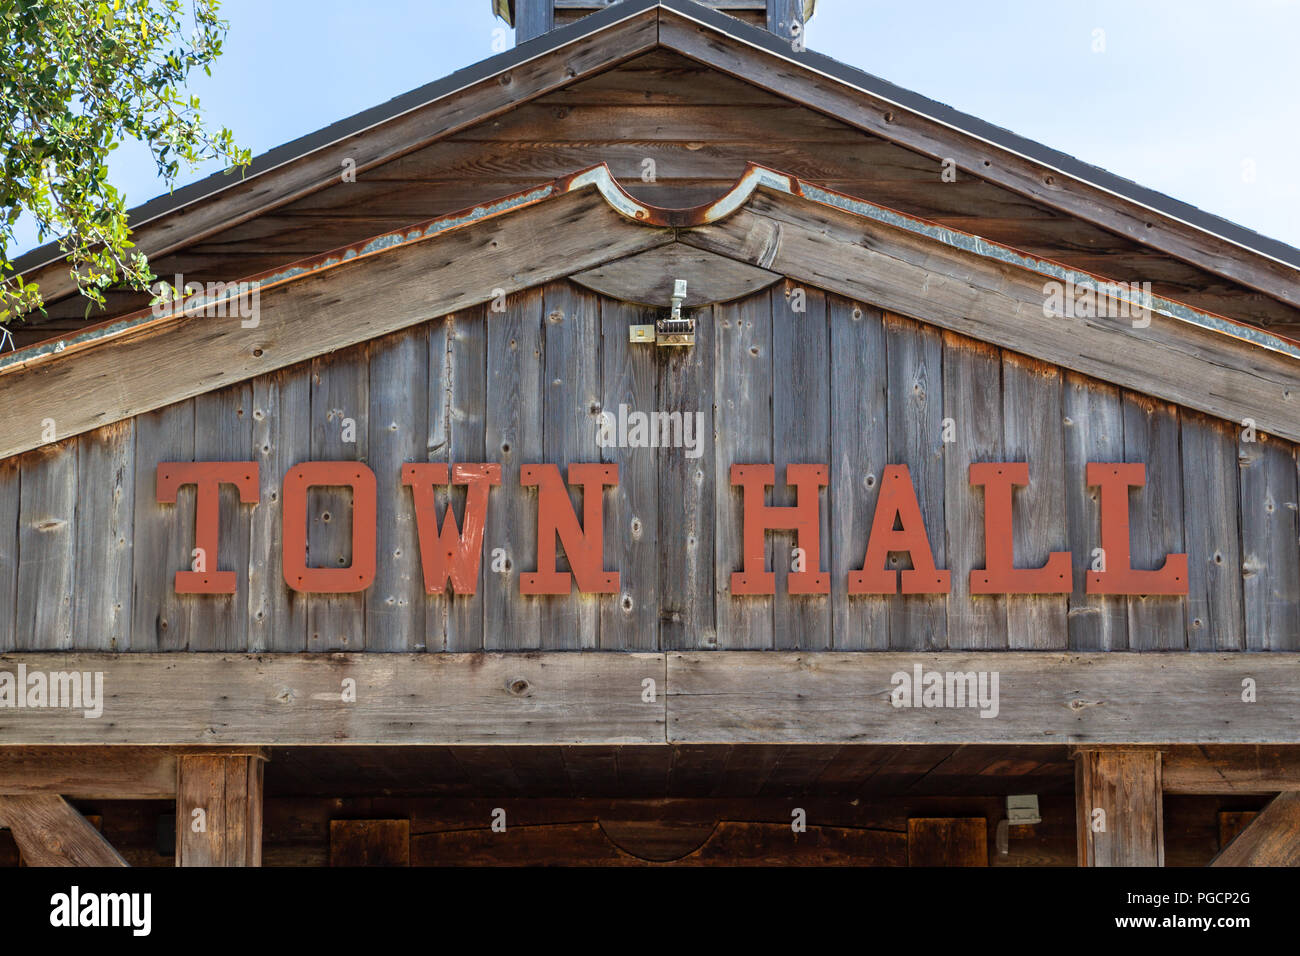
[{"x": 1063, "y": 163}]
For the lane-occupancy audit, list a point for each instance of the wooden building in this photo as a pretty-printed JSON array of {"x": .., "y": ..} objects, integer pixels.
[{"x": 964, "y": 530}]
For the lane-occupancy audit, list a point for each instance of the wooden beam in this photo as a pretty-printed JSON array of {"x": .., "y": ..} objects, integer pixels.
[
  {"x": 333, "y": 308},
  {"x": 1043, "y": 697},
  {"x": 234, "y": 700},
  {"x": 89, "y": 773},
  {"x": 533, "y": 18},
  {"x": 977, "y": 158},
  {"x": 785, "y": 18},
  {"x": 996, "y": 302},
  {"x": 219, "y": 810},
  {"x": 1119, "y": 811},
  {"x": 449, "y": 113},
  {"x": 1248, "y": 768},
  {"x": 50, "y": 832},
  {"x": 1271, "y": 839}
]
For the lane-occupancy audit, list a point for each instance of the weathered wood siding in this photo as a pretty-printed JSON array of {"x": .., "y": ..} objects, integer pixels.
[{"x": 87, "y": 554}]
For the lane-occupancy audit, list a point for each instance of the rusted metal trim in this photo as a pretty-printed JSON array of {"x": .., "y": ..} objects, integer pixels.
[{"x": 601, "y": 179}]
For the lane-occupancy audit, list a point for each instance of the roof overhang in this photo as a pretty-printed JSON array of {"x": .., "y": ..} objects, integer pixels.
[
  {"x": 632, "y": 27},
  {"x": 769, "y": 221}
]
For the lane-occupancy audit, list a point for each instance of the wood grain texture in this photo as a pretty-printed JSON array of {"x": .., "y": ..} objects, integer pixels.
[
  {"x": 938, "y": 841},
  {"x": 513, "y": 428},
  {"x": 10, "y": 501},
  {"x": 1119, "y": 811},
  {"x": 801, "y": 434},
  {"x": 858, "y": 454},
  {"x": 1043, "y": 697},
  {"x": 688, "y": 574},
  {"x": 630, "y": 621},
  {"x": 370, "y": 842},
  {"x": 47, "y": 541},
  {"x": 745, "y": 380},
  {"x": 50, "y": 832},
  {"x": 237, "y": 700},
  {"x": 915, "y": 426},
  {"x": 973, "y": 399},
  {"x": 1093, "y": 431},
  {"x": 105, "y": 488},
  {"x": 1270, "y": 545},
  {"x": 219, "y": 810},
  {"x": 467, "y": 345},
  {"x": 90, "y": 773},
  {"x": 1212, "y": 535},
  {"x": 1248, "y": 768},
  {"x": 1269, "y": 839}
]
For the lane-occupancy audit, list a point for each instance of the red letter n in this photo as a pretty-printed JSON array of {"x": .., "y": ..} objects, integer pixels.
[
  {"x": 897, "y": 504},
  {"x": 1120, "y": 577},
  {"x": 208, "y": 477},
  {"x": 449, "y": 553},
  {"x": 583, "y": 544},
  {"x": 803, "y": 518}
]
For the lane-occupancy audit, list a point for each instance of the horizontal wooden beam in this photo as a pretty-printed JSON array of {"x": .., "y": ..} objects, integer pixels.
[
  {"x": 1249, "y": 768},
  {"x": 50, "y": 832},
  {"x": 89, "y": 773},
  {"x": 1271, "y": 839},
  {"x": 1042, "y": 697},
  {"x": 172, "y": 360},
  {"x": 236, "y": 699},
  {"x": 977, "y": 295}
]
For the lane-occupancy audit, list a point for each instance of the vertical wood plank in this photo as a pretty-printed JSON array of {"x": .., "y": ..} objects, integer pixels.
[
  {"x": 1151, "y": 435},
  {"x": 10, "y": 497},
  {"x": 47, "y": 542},
  {"x": 1270, "y": 545},
  {"x": 915, "y": 409},
  {"x": 533, "y": 18},
  {"x": 972, "y": 398},
  {"x": 515, "y": 399},
  {"x": 801, "y": 434},
  {"x": 399, "y": 428},
  {"x": 570, "y": 419},
  {"x": 277, "y": 615},
  {"x": 1119, "y": 813},
  {"x": 340, "y": 394},
  {"x": 1212, "y": 516},
  {"x": 164, "y": 533},
  {"x": 106, "y": 509},
  {"x": 1094, "y": 431},
  {"x": 859, "y": 453},
  {"x": 438, "y": 448},
  {"x": 466, "y": 432},
  {"x": 1033, "y": 433},
  {"x": 630, "y": 620},
  {"x": 223, "y": 431},
  {"x": 687, "y": 583},
  {"x": 219, "y": 810},
  {"x": 785, "y": 18},
  {"x": 743, "y": 403}
]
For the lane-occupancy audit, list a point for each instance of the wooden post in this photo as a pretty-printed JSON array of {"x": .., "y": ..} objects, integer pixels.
[
  {"x": 219, "y": 810},
  {"x": 533, "y": 18},
  {"x": 782, "y": 17},
  {"x": 1118, "y": 807}
]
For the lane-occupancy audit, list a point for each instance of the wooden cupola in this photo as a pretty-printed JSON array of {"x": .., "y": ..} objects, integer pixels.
[{"x": 532, "y": 18}]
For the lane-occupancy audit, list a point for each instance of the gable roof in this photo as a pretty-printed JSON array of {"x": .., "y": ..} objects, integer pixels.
[
  {"x": 632, "y": 27},
  {"x": 769, "y": 220}
]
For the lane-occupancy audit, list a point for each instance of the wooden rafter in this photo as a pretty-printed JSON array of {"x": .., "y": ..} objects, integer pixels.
[
  {"x": 50, "y": 832},
  {"x": 1271, "y": 839}
]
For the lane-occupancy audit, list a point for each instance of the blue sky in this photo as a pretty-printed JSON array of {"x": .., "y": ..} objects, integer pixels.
[{"x": 1200, "y": 99}]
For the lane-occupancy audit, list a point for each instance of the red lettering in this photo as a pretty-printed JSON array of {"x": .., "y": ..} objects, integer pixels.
[
  {"x": 804, "y": 518},
  {"x": 583, "y": 544},
  {"x": 207, "y": 477},
  {"x": 898, "y": 505},
  {"x": 1120, "y": 577},
  {"x": 1000, "y": 575},
  {"x": 361, "y": 573},
  {"x": 450, "y": 554}
]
